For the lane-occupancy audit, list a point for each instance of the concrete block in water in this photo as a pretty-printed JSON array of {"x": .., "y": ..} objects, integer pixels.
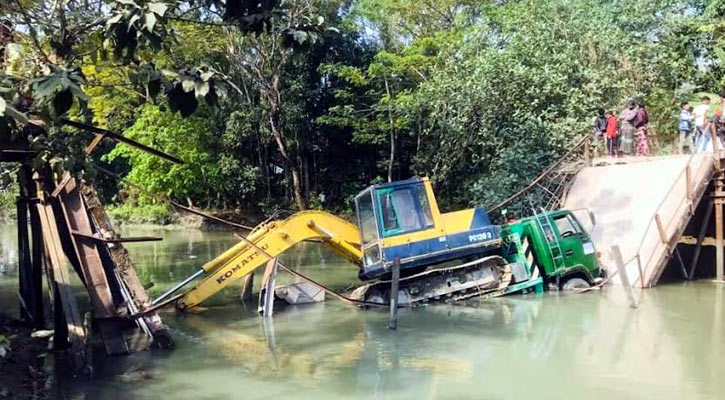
[{"x": 300, "y": 293}]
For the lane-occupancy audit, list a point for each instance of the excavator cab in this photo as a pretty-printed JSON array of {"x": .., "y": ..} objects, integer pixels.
[
  {"x": 401, "y": 220},
  {"x": 389, "y": 212}
]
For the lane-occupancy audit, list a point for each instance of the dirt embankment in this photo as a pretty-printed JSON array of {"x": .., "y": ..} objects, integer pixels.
[{"x": 22, "y": 359}]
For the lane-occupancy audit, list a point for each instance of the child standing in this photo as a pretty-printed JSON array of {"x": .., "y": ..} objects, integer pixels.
[
  {"x": 612, "y": 134},
  {"x": 685, "y": 128}
]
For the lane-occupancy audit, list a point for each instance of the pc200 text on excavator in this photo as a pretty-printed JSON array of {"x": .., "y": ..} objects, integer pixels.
[{"x": 442, "y": 256}]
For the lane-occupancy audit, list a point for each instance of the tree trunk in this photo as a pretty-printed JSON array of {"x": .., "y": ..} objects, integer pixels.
[
  {"x": 391, "y": 163},
  {"x": 289, "y": 162}
]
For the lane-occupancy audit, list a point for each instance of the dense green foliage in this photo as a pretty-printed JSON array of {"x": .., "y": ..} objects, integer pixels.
[{"x": 326, "y": 98}]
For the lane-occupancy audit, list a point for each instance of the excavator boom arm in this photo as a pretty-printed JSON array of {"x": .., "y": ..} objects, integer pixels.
[{"x": 273, "y": 239}]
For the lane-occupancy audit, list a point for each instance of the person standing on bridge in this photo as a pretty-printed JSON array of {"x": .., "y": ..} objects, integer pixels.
[
  {"x": 640, "y": 123},
  {"x": 612, "y": 134},
  {"x": 700, "y": 114},
  {"x": 600, "y": 126},
  {"x": 685, "y": 128},
  {"x": 626, "y": 128}
]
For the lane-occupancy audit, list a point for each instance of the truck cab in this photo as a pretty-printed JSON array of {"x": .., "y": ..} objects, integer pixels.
[
  {"x": 556, "y": 244},
  {"x": 401, "y": 220}
]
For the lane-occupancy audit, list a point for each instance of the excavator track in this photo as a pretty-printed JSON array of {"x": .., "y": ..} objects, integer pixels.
[{"x": 487, "y": 276}]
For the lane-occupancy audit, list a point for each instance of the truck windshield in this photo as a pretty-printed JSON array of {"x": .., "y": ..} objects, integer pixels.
[
  {"x": 398, "y": 211},
  {"x": 366, "y": 217},
  {"x": 566, "y": 226}
]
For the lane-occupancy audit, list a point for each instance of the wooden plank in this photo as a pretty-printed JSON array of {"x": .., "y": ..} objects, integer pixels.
[
  {"x": 95, "y": 142},
  {"x": 688, "y": 182},
  {"x": 247, "y": 286},
  {"x": 62, "y": 282},
  {"x": 394, "y": 283}
]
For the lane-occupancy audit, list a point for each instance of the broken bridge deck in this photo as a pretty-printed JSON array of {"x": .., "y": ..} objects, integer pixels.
[{"x": 642, "y": 205}]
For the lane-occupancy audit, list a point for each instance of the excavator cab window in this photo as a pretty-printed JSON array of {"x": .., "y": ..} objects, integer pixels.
[
  {"x": 368, "y": 227},
  {"x": 424, "y": 206},
  {"x": 402, "y": 210},
  {"x": 366, "y": 216}
]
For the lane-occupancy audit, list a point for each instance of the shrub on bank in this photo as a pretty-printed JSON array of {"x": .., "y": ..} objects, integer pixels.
[{"x": 159, "y": 214}]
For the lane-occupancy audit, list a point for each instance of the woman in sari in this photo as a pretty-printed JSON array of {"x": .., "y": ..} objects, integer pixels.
[{"x": 626, "y": 128}]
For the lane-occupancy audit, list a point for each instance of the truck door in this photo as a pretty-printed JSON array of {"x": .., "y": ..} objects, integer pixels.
[{"x": 576, "y": 247}]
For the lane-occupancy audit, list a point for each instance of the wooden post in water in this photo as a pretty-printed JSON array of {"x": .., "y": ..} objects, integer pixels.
[
  {"x": 394, "y": 286},
  {"x": 247, "y": 286},
  {"x": 617, "y": 255},
  {"x": 38, "y": 254},
  {"x": 24, "y": 264}
]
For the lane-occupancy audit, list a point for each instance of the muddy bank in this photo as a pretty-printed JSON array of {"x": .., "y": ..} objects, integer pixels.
[
  {"x": 24, "y": 359},
  {"x": 186, "y": 221}
]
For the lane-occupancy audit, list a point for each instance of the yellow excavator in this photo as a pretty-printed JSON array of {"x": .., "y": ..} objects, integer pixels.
[{"x": 465, "y": 255}]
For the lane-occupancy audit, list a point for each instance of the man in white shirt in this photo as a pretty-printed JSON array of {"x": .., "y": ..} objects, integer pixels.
[{"x": 700, "y": 114}]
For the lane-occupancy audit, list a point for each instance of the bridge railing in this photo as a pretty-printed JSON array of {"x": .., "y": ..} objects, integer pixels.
[
  {"x": 548, "y": 189},
  {"x": 668, "y": 221}
]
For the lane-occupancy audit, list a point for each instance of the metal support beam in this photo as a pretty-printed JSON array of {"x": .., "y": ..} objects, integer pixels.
[
  {"x": 700, "y": 236},
  {"x": 120, "y": 138},
  {"x": 98, "y": 238},
  {"x": 685, "y": 275}
]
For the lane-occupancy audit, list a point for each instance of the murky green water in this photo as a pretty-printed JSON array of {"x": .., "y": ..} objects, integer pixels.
[{"x": 539, "y": 346}]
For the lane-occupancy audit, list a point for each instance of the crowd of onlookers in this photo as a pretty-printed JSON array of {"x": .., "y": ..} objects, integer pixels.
[
  {"x": 626, "y": 134},
  {"x": 700, "y": 124}
]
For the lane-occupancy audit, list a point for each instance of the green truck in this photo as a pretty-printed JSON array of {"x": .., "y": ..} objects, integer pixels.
[{"x": 550, "y": 250}]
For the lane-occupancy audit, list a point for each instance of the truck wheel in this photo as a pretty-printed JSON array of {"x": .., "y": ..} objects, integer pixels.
[{"x": 575, "y": 283}]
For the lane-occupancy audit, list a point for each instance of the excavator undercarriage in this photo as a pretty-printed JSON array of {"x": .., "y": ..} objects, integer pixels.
[{"x": 476, "y": 278}]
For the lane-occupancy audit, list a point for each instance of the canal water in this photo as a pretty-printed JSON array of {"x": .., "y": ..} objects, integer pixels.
[{"x": 547, "y": 346}]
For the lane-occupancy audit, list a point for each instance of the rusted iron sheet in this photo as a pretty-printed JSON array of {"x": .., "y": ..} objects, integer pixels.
[
  {"x": 129, "y": 283},
  {"x": 87, "y": 251}
]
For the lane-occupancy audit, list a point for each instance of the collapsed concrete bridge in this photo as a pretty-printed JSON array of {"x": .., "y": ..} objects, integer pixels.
[{"x": 657, "y": 210}]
